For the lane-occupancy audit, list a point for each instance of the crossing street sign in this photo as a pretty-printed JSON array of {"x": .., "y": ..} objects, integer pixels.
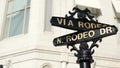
[
  {"x": 86, "y": 26},
  {"x": 85, "y": 36}
]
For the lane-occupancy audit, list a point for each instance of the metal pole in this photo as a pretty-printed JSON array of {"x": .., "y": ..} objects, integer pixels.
[
  {"x": 84, "y": 56},
  {"x": 85, "y": 64}
]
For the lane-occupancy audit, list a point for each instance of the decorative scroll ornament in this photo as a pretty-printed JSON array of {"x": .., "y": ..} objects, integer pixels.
[
  {"x": 84, "y": 52},
  {"x": 82, "y": 14}
]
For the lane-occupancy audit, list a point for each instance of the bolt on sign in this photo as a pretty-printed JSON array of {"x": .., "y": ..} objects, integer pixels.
[{"x": 86, "y": 29}]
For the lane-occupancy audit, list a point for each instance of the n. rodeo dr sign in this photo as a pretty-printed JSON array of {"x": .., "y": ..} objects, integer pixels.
[{"x": 85, "y": 36}]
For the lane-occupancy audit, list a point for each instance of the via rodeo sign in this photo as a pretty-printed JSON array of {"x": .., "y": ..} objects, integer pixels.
[{"x": 87, "y": 28}]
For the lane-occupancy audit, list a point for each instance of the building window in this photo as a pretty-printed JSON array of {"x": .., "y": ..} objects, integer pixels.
[
  {"x": 48, "y": 14},
  {"x": 17, "y": 18}
]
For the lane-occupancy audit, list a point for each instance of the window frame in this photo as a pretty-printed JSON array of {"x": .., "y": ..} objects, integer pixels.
[
  {"x": 46, "y": 23},
  {"x": 26, "y": 7}
]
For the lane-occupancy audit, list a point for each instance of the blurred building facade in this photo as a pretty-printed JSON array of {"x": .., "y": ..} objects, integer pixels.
[{"x": 26, "y": 34}]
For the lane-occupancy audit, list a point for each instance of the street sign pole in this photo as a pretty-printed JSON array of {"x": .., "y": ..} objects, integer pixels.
[
  {"x": 85, "y": 65},
  {"x": 88, "y": 29},
  {"x": 85, "y": 58}
]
